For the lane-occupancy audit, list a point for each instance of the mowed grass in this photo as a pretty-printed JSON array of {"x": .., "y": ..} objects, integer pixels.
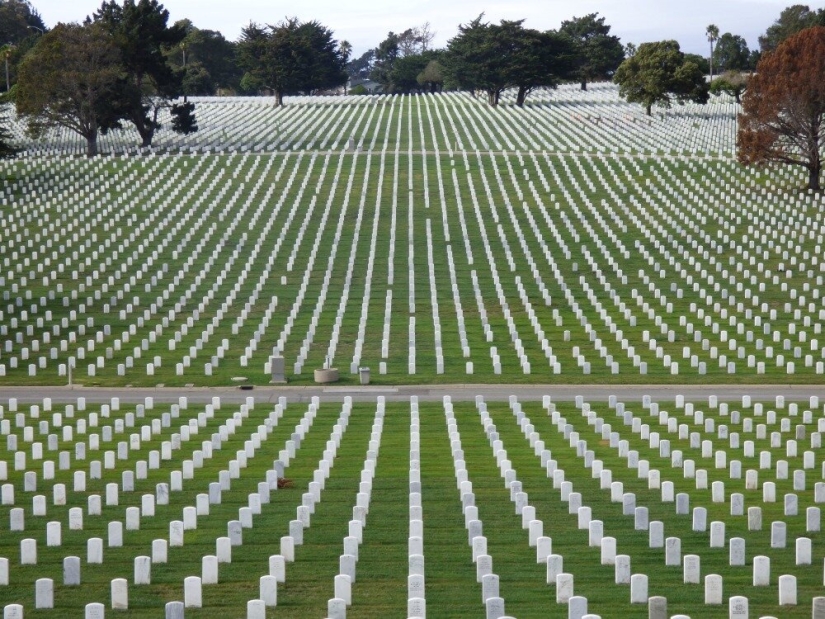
[
  {"x": 451, "y": 588},
  {"x": 300, "y": 251}
]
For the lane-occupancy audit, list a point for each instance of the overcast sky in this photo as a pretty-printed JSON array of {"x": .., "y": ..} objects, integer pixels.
[{"x": 364, "y": 23}]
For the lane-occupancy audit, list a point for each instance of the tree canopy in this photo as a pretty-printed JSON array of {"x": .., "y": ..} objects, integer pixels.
[
  {"x": 148, "y": 82},
  {"x": 791, "y": 20},
  {"x": 598, "y": 53},
  {"x": 206, "y": 59},
  {"x": 783, "y": 109},
  {"x": 493, "y": 57},
  {"x": 291, "y": 57},
  {"x": 68, "y": 80},
  {"x": 7, "y": 149},
  {"x": 732, "y": 83},
  {"x": 731, "y": 54},
  {"x": 19, "y": 20},
  {"x": 659, "y": 74}
]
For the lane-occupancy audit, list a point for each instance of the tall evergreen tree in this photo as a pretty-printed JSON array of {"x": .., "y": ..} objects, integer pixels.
[
  {"x": 291, "y": 57},
  {"x": 149, "y": 84},
  {"x": 659, "y": 73},
  {"x": 69, "y": 79},
  {"x": 599, "y": 53}
]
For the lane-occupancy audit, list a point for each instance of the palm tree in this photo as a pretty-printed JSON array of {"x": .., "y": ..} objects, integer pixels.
[
  {"x": 712, "y": 32},
  {"x": 346, "y": 50}
]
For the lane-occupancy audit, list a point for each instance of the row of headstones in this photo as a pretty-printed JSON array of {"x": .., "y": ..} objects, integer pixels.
[
  {"x": 737, "y": 500},
  {"x": 738, "y": 606},
  {"x": 737, "y": 545},
  {"x": 717, "y": 537},
  {"x": 193, "y": 585},
  {"x": 310, "y": 335},
  {"x": 258, "y": 129},
  {"x": 348, "y": 561},
  {"x": 159, "y": 547},
  {"x": 162, "y": 490},
  {"x": 416, "y": 594},
  {"x": 534, "y": 321},
  {"x": 638, "y": 582},
  {"x": 159, "y": 300},
  {"x": 135, "y": 443},
  {"x": 657, "y": 293},
  {"x": 490, "y": 594},
  {"x": 515, "y": 338}
]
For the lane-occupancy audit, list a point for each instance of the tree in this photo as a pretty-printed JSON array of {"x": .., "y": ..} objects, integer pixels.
[
  {"x": 699, "y": 61},
  {"x": 148, "y": 83},
  {"x": 791, "y": 20},
  {"x": 712, "y": 32},
  {"x": 494, "y": 57},
  {"x": 20, "y": 27},
  {"x": 414, "y": 41},
  {"x": 731, "y": 54},
  {"x": 659, "y": 73},
  {"x": 598, "y": 53},
  {"x": 361, "y": 67},
  {"x": 206, "y": 60},
  {"x": 19, "y": 20},
  {"x": 540, "y": 59},
  {"x": 432, "y": 77},
  {"x": 183, "y": 118},
  {"x": 732, "y": 83},
  {"x": 476, "y": 57},
  {"x": 384, "y": 60},
  {"x": 6, "y": 147},
  {"x": 291, "y": 57},
  {"x": 67, "y": 79},
  {"x": 783, "y": 109}
]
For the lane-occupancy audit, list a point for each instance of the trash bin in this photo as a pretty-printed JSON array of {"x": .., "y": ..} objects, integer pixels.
[{"x": 364, "y": 374}]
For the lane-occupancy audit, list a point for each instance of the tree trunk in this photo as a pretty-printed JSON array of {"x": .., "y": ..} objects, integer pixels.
[
  {"x": 584, "y": 83},
  {"x": 91, "y": 144},
  {"x": 145, "y": 138},
  {"x": 648, "y": 108},
  {"x": 279, "y": 98},
  {"x": 814, "y": 172},
  {"x": 522, "y": 95}
]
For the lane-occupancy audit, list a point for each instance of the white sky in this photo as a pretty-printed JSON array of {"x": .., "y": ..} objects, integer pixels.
[{"x": 364, "y": 23}]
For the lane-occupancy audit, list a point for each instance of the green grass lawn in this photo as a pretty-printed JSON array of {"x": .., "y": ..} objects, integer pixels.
[{"x": 451, "y": 588}]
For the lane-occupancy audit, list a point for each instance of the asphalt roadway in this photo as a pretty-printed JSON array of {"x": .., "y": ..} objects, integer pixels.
[{"x": 458, "y": 392}]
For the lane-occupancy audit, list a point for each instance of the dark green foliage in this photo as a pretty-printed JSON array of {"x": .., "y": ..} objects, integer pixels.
[
  {"x": 699, "y": 61},
  {"x": 791, "y": 20},
  {"x": 206, "y": 59},
  {"x": 148, "y": 82},
  {"x": 292, "y": 57},
  {"x": 19, "y": 20},
  {"x": 183, "y": 118},
  {"x": 732, "y": 83},
  {"x": 731, "y": 54},
  {"x": 598, "y": 53},
  {"x": 71, "y": 79},
  {"x": 384, "y": 60},
  {"x": 659, "y": 73},
  {"x": 6, "y": 147},
  {"x": 361, "y": 67},
  {"x": 408, "y": 73},
  {"x": 493, "y": 57},
  {"x": 432, "y": 77}
]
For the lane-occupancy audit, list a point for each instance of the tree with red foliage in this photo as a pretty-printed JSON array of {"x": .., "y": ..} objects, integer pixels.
[{"x": 783, "y": 109}]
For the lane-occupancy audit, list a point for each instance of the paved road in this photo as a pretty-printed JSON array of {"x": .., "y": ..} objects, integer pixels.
[{"x": 591, "y": 393}]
